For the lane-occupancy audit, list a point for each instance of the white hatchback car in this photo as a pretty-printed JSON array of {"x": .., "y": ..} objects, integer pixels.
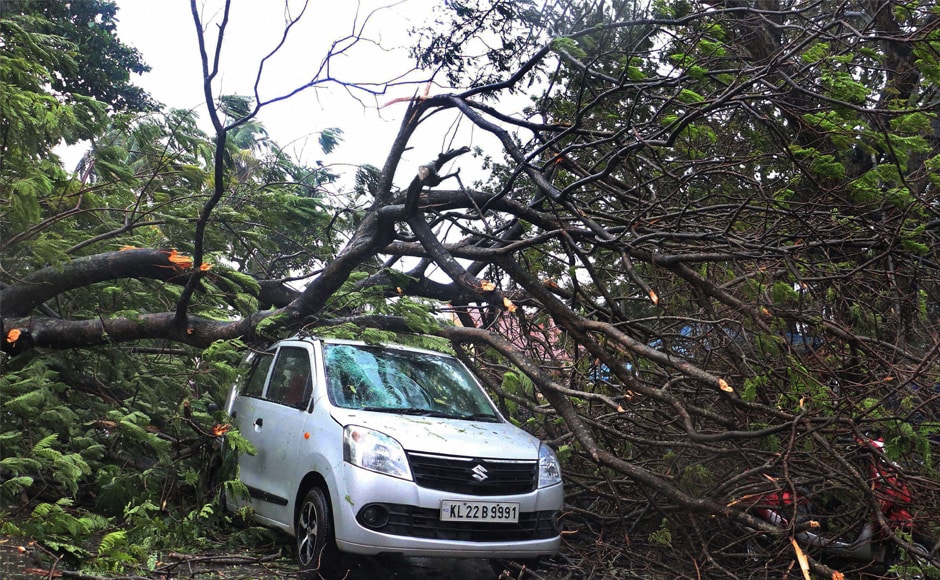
[{"x": 388, "y": 450}]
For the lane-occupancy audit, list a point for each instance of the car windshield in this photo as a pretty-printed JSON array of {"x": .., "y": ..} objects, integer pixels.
[{"x": 403, "y": 381}]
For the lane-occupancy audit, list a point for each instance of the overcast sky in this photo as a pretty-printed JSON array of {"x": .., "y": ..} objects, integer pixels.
[{"x": 165, "y": 35}]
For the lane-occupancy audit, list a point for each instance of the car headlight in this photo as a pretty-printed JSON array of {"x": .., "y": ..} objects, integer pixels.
[
  {"x": 549, "y": 469},
  {"x": 375, "y": 451}
]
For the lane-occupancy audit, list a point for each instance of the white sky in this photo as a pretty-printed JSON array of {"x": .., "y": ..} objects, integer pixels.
[{"x": 165, "y": 35}]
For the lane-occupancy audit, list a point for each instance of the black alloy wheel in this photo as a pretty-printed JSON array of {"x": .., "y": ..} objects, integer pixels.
[{"x": 316, "y": 548}]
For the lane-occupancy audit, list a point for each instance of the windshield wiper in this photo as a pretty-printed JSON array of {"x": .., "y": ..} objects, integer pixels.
[
  {"x": 408, "y": 411},
  {"x": 486, "y": 417},
  {"x": 419, "y": 412}
]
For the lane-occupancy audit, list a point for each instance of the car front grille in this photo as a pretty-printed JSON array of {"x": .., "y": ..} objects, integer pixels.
[
  {"x": 469, "y": 476},
  {"x": 405, "y": 520}
]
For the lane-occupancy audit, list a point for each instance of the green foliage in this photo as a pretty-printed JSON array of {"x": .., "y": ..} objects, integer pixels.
[
  {"x": 689, "y": 97},
  {"x": 911, "y": 565},
  {"x": 516, "y": 382},
  {"x": 770, "y": 443},
  {"x": 34, "y": 120},
  {"x": 783, "y": 294},
  {"x": 67, "y": 469},
  {"x": 696, "y": 479},
  {"x": 61, "y": 527},
  {"x": 273, "y": 327},
  {"x": 568, "y": 46},
  {"x": 469, "y": 22},
  {"x": 815, "y": 53},
  {"x": 754, "y": 384},
  {"x": 98, "y": 426},
  {"x": 824, "y": 165},
  {"x": 663, "y": 535},
  {"x": 774, "y": 184},
  {"x": 330, "y": 139},
  {"x": 85, "y": 31},
  {"x": 229, "y": 352},
  {"x": 844, "y": 87},
  {"x": 417, "y": 314}
]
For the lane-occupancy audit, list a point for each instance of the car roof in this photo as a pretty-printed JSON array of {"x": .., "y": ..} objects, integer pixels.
[{"x": 388, "y": 345}]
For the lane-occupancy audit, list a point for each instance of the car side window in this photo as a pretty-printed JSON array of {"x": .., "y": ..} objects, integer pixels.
[
  {"x": 254, "y": 384},
  {"x": 291, "y": 382}
]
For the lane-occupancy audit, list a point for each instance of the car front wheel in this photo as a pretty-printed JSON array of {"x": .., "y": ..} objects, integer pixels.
[{"x": 316, "y": 548}]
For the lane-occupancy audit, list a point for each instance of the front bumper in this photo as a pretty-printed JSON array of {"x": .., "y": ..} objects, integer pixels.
[{"x": 414, "y": 527}]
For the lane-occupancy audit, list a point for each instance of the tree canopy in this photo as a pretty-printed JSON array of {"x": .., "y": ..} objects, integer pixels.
[{"x": 702, "y": 263}]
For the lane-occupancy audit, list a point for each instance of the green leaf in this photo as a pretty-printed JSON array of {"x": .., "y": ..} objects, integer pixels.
[
  {"x": 815, "y": 53},
  {"x": 330, "y": 139},
  {"x": 569, "y": 46},
  {"x": 689, "y": 96},
  {"x": 13, "y": 486}
]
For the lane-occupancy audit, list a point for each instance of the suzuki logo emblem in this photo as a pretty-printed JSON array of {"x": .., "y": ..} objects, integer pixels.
[{"x": 479, "y": 473}]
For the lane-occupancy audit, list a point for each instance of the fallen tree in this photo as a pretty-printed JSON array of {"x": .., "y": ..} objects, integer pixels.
[{"x": 704, "y": 260}]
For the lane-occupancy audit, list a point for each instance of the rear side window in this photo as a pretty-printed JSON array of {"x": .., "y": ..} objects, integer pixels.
[
  {"x": 291, "y": 382},
  {"x": 254, "y": 385}
]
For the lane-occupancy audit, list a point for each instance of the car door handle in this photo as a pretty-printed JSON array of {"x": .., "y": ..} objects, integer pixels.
[{"x": 259, "y": 422}]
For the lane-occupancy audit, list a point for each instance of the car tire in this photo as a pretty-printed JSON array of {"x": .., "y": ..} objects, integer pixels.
[{"x": 316, "y": 547}]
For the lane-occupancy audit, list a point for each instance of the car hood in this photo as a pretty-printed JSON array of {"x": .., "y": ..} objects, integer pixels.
[{"x": 477, "y": 439}]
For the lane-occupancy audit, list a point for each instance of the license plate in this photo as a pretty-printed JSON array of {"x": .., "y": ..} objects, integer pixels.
[{"x": 479, "y": 511}]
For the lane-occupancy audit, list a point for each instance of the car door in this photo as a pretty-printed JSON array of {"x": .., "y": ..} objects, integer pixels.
[
  {"x": 273, "y": 423},
  {"x": 244, "y": 409}
]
